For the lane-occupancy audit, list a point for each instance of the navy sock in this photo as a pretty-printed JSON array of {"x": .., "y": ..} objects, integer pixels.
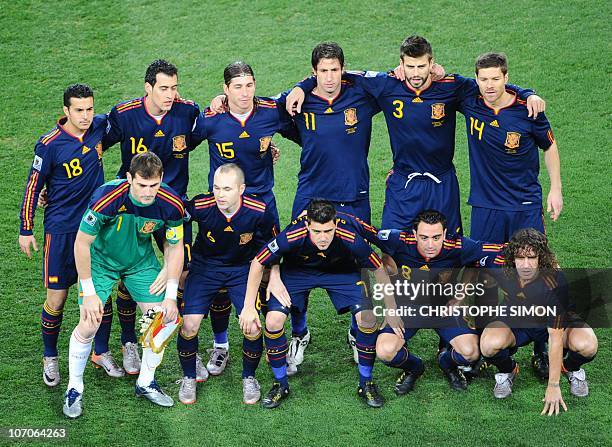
[
  {"x": 252, "y": 348},
  {"x": 103, "y": 335},
  {"x": 219, "y": 312},
  {"x": 187, "y": 350},
  {"x": 277, "y": 347},
  {"x": 573, "y": 361},
  {"x": 539, "y": 347},
  {"x": 366, "y": 345},
  {"x": 503, "y": 361},
  {"x": 451, "y": 359},
  {"x": 126, "y": 308},
  {"x": 406, "y": 361},
  {"x": 298, "y": 322},
  {"x": 51, "y": 324}
]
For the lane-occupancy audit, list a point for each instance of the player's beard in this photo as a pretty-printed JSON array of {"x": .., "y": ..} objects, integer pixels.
[{"x": 421, "y": 84}]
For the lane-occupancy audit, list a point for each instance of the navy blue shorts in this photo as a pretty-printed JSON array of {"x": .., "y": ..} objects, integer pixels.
[
  {"x": 202, "y": 286},
  {"x": 358, "y": 208},
  {"x": 408, "y": 194},
  {"x": 525, "y": 336},
  {"x": 59, "y": 269},
  {"x": 498, "y": 226},
  {"x": 446, "y": 334},
  {"x": 160, "y": 237},
  {"x": 346, "y": 290}
]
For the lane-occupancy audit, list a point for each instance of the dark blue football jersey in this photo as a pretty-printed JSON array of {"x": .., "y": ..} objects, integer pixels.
[
  {"x": 168, "y": 137},
  {"x": 504, "y": 159},
  {"x": 71, "y": 168},
  {"x": 457, "y": 252},
  {"x": 335, "y": 137},
  {"x": 421, "y": 123},
  {"x": 347, "y": 252},
  {"x": 245, "y": 143},
  {"x": 229, "y": 241}
]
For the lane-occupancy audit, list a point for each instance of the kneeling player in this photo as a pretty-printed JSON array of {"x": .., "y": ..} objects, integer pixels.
[
  {"x": 427, "y": 255},
  {"x": 114, "y": 243},
  {"x": 232, "y": 228},
  {"x": 318, "y": 250},
  {"x": 531, "y": 276}
]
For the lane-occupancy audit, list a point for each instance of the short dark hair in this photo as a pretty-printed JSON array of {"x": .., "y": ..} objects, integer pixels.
[
  {"x": 236, "y": 69},
  {"x": 147, "y": 165},
  {"x": 77, "y": 91},
  {"x": 326, "y": 50},
  {"x": 430, "y": 217},
  {"x": 492, "y": 60},
  {"x": 320, "y": 211},
  {"x": 159, "y": 66},
  {"x": 415, "y": 46},
  {"x": 530, "y": 239}
]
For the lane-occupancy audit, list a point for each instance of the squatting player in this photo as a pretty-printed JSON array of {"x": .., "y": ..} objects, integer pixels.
[
  {"x": 114, "y": 243},
  {"x": 232, "y": 228},
  {"x": 531, "y": 275},
  {"x": 504, "y": 164},
  {"x": 68, "y": 159},
  {"x": 429, "y": 254},
  {"x": 159, "y": 122},
  {"x": 318, "y": 250},
  {"x": 243, "y": 136}
]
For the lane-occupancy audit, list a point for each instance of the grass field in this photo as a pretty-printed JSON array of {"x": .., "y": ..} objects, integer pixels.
[{"x": 558, "y": 48}]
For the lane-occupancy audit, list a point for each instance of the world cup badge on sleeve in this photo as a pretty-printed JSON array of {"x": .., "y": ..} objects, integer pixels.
[
  {"x": 179, "y": 143},
  {"x": 513, "y": 140},
  {"x": 350, "y": 116},
  {"x": 437, "y": 111}
]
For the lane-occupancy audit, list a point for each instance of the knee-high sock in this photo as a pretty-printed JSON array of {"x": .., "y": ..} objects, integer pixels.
[
  {"x": 503, "y": 361},
  {"x": 51, "y": 324},
  {"x": 539, "y": 347},
  {"x": 187, "y": 349},
  {"x": 252, "y": 348},
  {"x": 451, "y": 359},
  {"x": 277, "y": 347},
  {"x": 366, "y": 345},
  {"x": 298, "y": 322},
  {"x": 126, "y": 308},
  {"x": 406, "y": 361},
  {"x": 150, "y": 362},
  {"x": 80, "y": 347},
  {"x": 574, "y": 361},
  {"x": 220, "y": 311},
  {"x": 103, "y": 335}
]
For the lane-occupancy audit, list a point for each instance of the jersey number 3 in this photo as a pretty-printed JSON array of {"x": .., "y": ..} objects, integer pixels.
[{"x": 399, "y": 109}]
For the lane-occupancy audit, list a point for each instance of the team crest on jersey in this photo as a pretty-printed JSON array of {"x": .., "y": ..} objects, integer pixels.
[
  {"x": 99, "y": 149},
  {"x": 179, "y": 143},
  {"x": 245, "y": 238},
  {"x": 148, "y": 227},
  {"x": 350, "y": 116},
  {"x": 513, "y": 140},
  {"x": 437, "y": 111},
  {"x": 264, "y": 144}
]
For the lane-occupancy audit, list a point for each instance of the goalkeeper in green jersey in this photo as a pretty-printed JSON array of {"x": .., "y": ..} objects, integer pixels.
[{"x": 114, "y": 243}]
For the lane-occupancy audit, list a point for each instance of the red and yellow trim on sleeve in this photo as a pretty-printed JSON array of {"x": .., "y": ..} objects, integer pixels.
[
  {"x": 208, "y": 113},
  {"x": 129, "y": 105},
  {"x": 550, "y": 282},
  {"x": 27, "y": 208},
  {"x": 452, "y": 244},
  {"x": 206, "y": 202},
  {"x": 407, "y": 238},
  {"x": 493, "y": 247},
  {"x": 183, "y": 101},
  {"x": 110, "y": 197},
  {"x": 367, "y": 227},
  {"x": 263, "y": 255},
  {"x": 499, "y": 260},
  {"x": 375, "y": 260},
  {"x": 253, "y": 204},
  {"x": 550, "y": 136},
  {"x": 345, "y": 234},
  {"x": 173, "y": 200},
  {"x": 294, "y": 235},
  {"x": 447, "y": 79},
  {"x": 46, "y": 139},
  {"x": 265, "y": 103}
]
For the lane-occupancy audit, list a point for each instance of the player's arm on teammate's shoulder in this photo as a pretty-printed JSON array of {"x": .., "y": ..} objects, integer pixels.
[
  {"x": 92, "y": 304},
  {"x": 553, "y": 400},
  {"x": 219, "y": 104},
  {"x": 554, "y": 201}
]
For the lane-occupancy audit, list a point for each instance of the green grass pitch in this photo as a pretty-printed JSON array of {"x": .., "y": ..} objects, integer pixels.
[{"x": 558, "y": 48}]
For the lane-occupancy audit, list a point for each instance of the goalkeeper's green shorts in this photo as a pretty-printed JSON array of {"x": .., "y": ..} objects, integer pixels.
[{"x": 137, "y": 281}]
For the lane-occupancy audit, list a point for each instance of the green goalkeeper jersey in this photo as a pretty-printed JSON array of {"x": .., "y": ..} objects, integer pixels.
[{"x": 123, "y": 226}]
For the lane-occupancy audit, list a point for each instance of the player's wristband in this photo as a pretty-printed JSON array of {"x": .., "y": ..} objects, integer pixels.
[
  {"x": 171, "y": 289},
  {"x": 87, "y": 286}
]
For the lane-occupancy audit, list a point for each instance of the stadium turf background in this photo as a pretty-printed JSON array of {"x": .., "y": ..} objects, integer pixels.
[{"x": 559, "y": 48}]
